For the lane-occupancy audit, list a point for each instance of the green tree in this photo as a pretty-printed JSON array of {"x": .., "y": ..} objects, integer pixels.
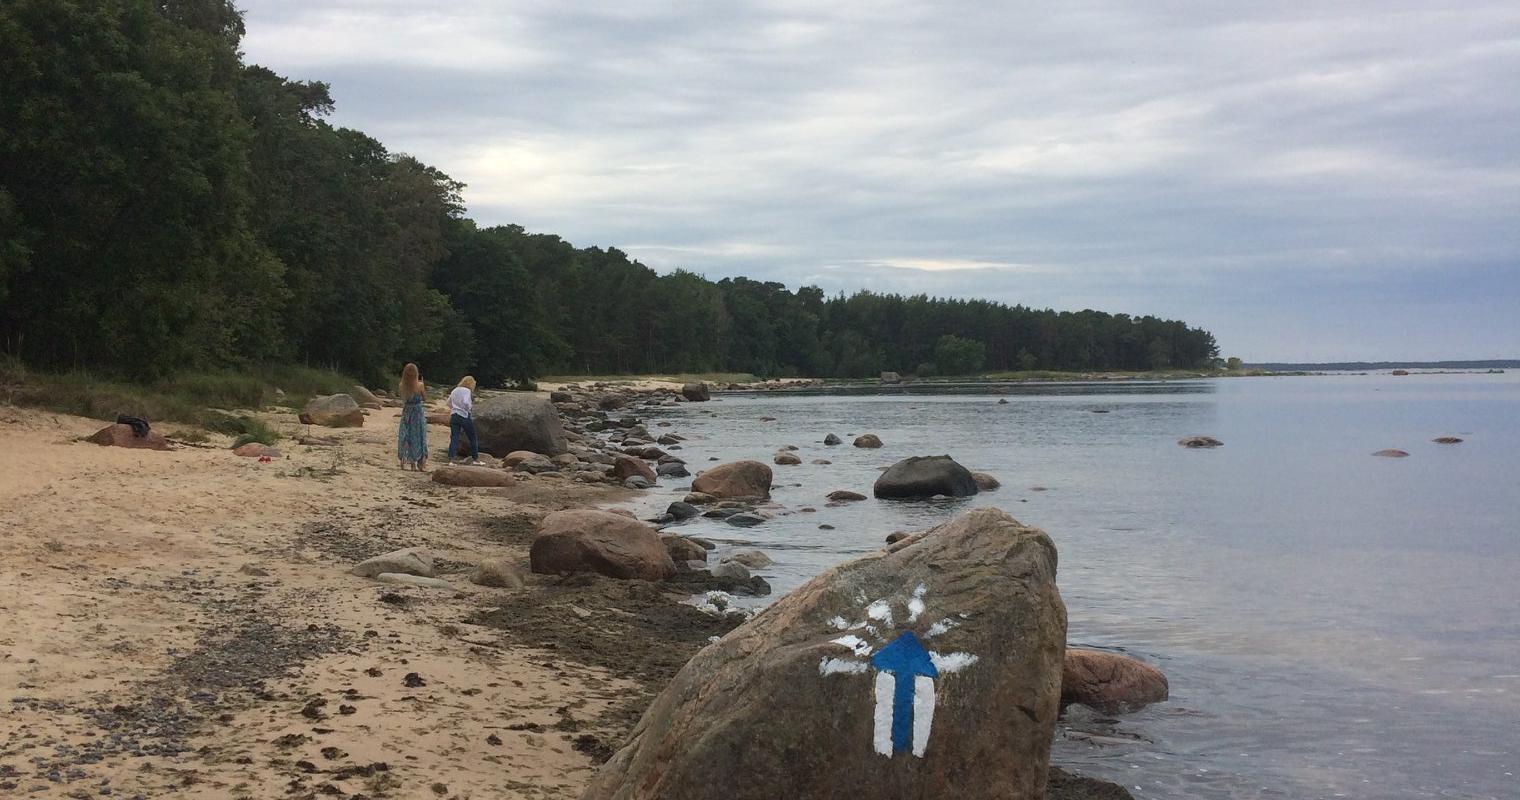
[{"x": 954, "y": 355}]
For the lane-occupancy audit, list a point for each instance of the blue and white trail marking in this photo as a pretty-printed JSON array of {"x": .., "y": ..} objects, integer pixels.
[{"x": 906, "y": 672}]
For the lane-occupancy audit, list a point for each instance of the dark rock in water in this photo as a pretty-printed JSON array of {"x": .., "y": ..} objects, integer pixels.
[
  {"x": 681, "y": 510},
  {"x": 1391, "y": 454},
  {"x": 751, "y": 558},
  {"x": 985, "y": 482},
  {"x": 519, "y": 421},
  {"x": 832, "y": 440},
  {"x": 955, "y": 695},
  {"x": 1064, "y": 785},
  {"x": 638, "y": 482},
  {"x": 845, "y": 495},
  {"x": 925, "y": 476},
  {"x": 745, "y": 519},
  {"x": 736, "y": 479},
  {"x": 825, "y": 527},
  {"x": 722, "y": 513},
  {"x": 1002, "y": 401},
  {"x": 869, "y": 440},
  {"x": 673, "y": 470},
  {"x": 896, "y": 536},
  {"x": 599, "y": 541},
  {"x": 731, "y": 570},
  {"x": 1109, "y": 682},
  {"x": 1100, "y": 411},
  {"x": 787, "y": 459},
  {"x": 707, "y": 544},
  {"x": 1200, "y": 441},
  {"x": 696, "y": 392},
  {"x": 1446, "y": 440}
]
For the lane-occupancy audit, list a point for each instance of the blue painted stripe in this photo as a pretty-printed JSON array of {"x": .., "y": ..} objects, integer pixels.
[{"x": 902, "y": 712}]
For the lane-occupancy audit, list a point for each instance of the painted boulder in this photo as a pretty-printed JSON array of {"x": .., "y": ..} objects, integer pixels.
[{"x": 930, "y": 672}]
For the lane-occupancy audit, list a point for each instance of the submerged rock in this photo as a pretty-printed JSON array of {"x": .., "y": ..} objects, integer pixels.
[
  {"x": 1447, "y": 440},
  {"x": 925, "y": 476},
  {"x": 845, "y": 495},
  {"x": 1200, "y": 441},
  {"x": 1391, "y": 454},
  {"x": 869, "y": 440},
  {"x": 832, "y": 440},
  {"x": 1109, "y": 682},
  {"x": 787, "y": 459},
  {"x": 952, "y": 691},
  {"x": 985, "y": 482}
]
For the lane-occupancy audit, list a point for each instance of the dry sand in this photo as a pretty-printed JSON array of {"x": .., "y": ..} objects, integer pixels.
[{"x": 182, "y": 624}]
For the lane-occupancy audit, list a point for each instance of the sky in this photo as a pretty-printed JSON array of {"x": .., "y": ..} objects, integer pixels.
[{"x": 1309, "y": 181}]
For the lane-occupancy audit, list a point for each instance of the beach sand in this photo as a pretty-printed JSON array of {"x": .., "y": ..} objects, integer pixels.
[{"x": 183, "y": 624}]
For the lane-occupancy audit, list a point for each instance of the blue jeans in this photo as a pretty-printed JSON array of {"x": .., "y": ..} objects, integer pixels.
[{"x": 457, "y": 424}]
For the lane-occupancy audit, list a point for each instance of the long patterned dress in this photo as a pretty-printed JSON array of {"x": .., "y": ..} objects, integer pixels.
[{"x": 411, "y": 434}]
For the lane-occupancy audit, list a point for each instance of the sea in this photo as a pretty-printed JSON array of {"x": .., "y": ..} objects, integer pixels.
[{"x": 1332, "y": 623}]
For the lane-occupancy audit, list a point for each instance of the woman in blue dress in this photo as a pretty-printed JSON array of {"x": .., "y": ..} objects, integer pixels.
[{"x": 411, "y": 435}]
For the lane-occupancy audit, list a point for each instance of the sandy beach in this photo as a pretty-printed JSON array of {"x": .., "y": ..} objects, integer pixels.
[{"x": 183, "y": 623}]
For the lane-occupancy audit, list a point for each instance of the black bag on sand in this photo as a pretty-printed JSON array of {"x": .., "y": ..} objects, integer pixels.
[{"x": 138, "y": 425}]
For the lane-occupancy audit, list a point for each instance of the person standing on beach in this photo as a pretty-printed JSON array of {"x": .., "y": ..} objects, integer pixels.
[
  {"x": 461, "y": 405},
  {"x": 411, "y": 434}
]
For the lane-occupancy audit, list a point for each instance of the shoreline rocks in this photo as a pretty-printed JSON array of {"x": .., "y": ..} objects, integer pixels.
[
  {"x": 599, "y": 541},
  {"x": 519, "y": 421}
]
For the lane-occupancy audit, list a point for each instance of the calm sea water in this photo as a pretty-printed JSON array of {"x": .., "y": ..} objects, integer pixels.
[{"x": 1332, "y": 624}]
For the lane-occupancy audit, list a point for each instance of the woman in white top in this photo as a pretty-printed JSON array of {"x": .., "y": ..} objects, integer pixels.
[{"x": 461, "y": 404}]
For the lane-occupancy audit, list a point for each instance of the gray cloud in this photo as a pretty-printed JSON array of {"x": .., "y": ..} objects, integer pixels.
[{"x": 1316, "y": 182}]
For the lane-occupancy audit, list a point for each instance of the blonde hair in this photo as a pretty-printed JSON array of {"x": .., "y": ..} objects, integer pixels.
[
  {"x": 468, "y": 382},
  {"x": 411, "y": 383}
]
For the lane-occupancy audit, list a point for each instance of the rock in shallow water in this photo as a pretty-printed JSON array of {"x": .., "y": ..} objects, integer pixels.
[
  {"x": 1109, "y": 682},
  {"x": 955, "y": 695},
  {"x": 925, "y": 476},
  {"x": 1196, "y": 442},
  {"x": 737, "y": 479}
]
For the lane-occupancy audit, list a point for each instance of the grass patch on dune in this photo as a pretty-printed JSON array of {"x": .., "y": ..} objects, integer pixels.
[{"x": 192, "y": 398}]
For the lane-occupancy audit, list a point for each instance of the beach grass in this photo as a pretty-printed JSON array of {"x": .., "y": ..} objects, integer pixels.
[{"x": 207, "y": 399}]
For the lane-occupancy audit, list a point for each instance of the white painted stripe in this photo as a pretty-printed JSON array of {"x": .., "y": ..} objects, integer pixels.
[
  {"x": 916, "y": 605},
  {"x": 838, "y": 666},
  {"x": 947, "y": 663},
  {"x": 860, "y": 646},
  {"x": 923, "y": 712},
  {"x": 882, "y": 738}
]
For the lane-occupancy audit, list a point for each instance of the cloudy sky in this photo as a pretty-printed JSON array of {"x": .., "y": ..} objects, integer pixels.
[{"x": 1310, "y": 181}]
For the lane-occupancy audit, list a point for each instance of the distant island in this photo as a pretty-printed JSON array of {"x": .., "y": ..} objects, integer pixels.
[{"x": 1502, "y": 363}]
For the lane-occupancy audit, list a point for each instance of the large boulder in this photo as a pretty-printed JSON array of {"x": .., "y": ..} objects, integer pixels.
[
  {"x": 1108, "y": 682},
  {"x": 925, "y": 476},
  {"x": 365, "y": 398},
  {"x": 119, "y": 435},
  {"x": 736, "y": 479},
  {"x": 696, "y": 392},
  {"x": 929, "y": 672},
  {"x": 519, "y": 421},
  {"x": 461, "y": 475},
  {"x": 333, "y": 411},
  {"x": 584, "y": 540}
]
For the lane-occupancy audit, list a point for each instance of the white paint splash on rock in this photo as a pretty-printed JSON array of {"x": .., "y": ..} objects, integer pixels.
[
  {"x": 840, "y": 666},
  {"x": 948, "y": 663}
]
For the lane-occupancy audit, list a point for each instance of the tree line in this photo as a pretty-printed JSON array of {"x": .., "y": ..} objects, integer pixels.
[{"x": 165, "y": 206}]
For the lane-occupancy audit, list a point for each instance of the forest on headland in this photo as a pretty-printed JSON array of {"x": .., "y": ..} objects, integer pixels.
[{"x": 166, "y": 207}]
